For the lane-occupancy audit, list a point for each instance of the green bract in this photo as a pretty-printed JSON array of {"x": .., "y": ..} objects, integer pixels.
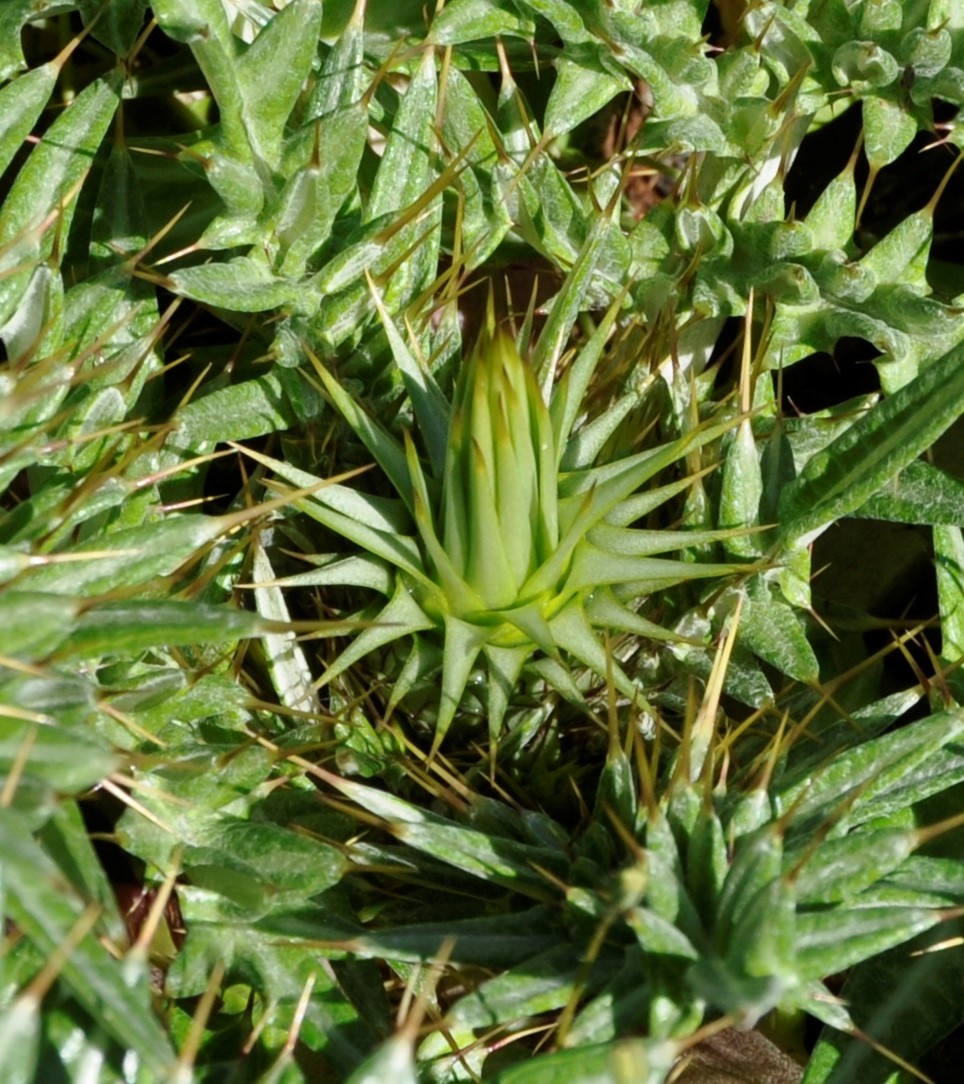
[
  {"x": 500, "y": 513},
  {"x": 504, "y": 553}
]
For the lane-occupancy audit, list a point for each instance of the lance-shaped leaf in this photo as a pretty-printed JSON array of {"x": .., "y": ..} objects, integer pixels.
[
  {"x": 881, "y": 442},
  {"x": 402, "y": 616},
  {"x": 572, "y": 631},
  {"x": 388, "y": 453},
  {"x": 47, "y": 913},
  {"x": 40, "y": 205},
  {"x": 463, "y": 642},
  {"x": 430, "y": 405}
]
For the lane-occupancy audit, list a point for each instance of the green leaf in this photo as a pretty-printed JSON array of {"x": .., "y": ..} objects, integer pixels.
[
  {"x": 118, "y": 25},
  {"x": 127, "y": 627},
  {"x": 358, "y": 571},
  {"x": 472, "y": 20},
  {"x": 839, "y": 869},
  {"x": 605, "y": 612},
  {"x": 430, "y": 405},
  {"x": 568, "y": 395},
  {"x": 906, "y": 999},
  {"x": 242, "y": 284},
  {"x": 318, "y": 192},
  {"x": 504, "y": 665},
  {"x": 20, "y": 1028},
  {"x": 616, "y": 794},
  {"x": 21, "y": 103},
  {"x": 465, "y": 123},
  {"x": 463, "y": 642},
  {"x": 949, "y": 559},
  {"x": 644, "y": 1061},
  {"x": 756, "y": 864},
  {"x": 772, "y": 630},
  {"x": 203, "y": 25},
  {"x": 272, "y": 71},
  {"x": 571, "y": 299},
  {"x": 67, "y": 759},
  {"x": 864, "y": 64},
  {"x": 706, "y": 863},
  {"x": 404, "y": 178},
  {"x": 383, "y": 542},
  {"x": 863, "y": 772},
  {"x": 41, "y": 202},
  {"x": 830, "y": 941},
  {"x": 497, "y": 941},
  {"x": 538, "y": 985},
  {"x": 888, "y": 131},
  {"x": 920, "y": 493},
  {"x": 33, "y": 624},
  {"x": 902, "y": 254},
  {"x": 572, "y": 632},
  {"x": 343, "y": 78},
  {"x": 47, "y": 914},
  {"x": 404, "y": 171},
  {"x": 388, "y": 453},
  {"x": 763, "y": 943},
  {"x": 126, "y": 558},
  {"x": 514, "y": 865},
  {"x": 741, "y": 490},
  {"x": 402, "y": 616},
  {"x": 593, "y": 567},
  {"x": 831, "y": 219},
  {"x": 286, "y": 660},
  {"x": 394, "y": 1060},
  {"x": 249, "y": 409},
  {"x": 13, "y": 16},
  {"x": 879, "y": 444},
  {"x": 584, "y": 87},
  {"x": 280, "y": 862},
  {"x": 565, "y": 17}
]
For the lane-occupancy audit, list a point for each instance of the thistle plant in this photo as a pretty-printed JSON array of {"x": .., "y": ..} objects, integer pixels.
[
  {"x": 237, "y": 231},
  {"x": 522, "y": 552},
  {"x": 696, "y": 895}
]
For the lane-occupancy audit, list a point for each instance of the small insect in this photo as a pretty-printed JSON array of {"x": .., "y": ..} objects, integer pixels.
[{"x": 907, "y": 79}]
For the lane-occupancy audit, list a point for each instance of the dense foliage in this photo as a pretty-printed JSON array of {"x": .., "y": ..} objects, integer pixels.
[{"x": 481, "y": 557}]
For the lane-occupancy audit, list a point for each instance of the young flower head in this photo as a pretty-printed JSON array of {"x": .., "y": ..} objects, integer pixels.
[
  {"x": 500, "y": 518},
  {"x": 492, "y": 550}
]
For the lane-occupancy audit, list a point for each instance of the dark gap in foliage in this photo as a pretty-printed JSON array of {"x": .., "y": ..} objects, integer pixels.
[
  {"x": 906, "y": 186},
  {"x": 823, "y": 155},
  {"x": 949, "y": 218},
  {"x": 712, "y": 29},
  {"x": 224, "y": 478},
  {"x": 44, "y": 40},
  {"x": 164, "y": 69},
  {"x": 886, "y": 571},
  {"x": 101, "y": 812},
  {"x": 200, "y": 344},
  {"x": 725, "y": 355},
  {"x": 17, "y": 511},
  {"x": 823, "y": 380},
  {"x": 900, "y": 188},
  {"x": 948, "y": 452},
  {"x": 512, "y": 286},
  {"x": 942, "y": 1064}
]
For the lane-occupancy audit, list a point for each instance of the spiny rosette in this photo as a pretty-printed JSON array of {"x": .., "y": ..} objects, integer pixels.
[{"x": 492, "y": 548}]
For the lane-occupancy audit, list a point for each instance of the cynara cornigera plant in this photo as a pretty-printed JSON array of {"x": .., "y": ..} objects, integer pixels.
[
  {"x": 522, "y": 548},
  {"x": 689, "y": 896},
  {"x": 189, "y": 210}
]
